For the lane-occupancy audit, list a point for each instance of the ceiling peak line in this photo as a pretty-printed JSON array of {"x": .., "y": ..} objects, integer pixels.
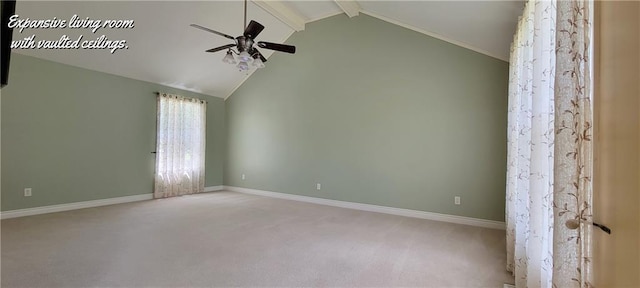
[
  {"x": 284, "y": 13},
  {"x": 350, "y": 7},
  {"x": 331, "y": 14}
]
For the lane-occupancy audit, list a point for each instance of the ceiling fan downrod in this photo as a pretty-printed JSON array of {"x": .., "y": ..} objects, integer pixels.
[{"x": 245, "y": 15}]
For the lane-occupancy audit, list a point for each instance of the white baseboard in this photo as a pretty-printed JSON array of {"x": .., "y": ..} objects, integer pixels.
[
  {"x": 84, "y": 204},
  {"x": 376, "y": 208},
  {"x": 213, "y": 188},
  {"x": 329, "y": 202},
  {"x": 73, "y": 206}
]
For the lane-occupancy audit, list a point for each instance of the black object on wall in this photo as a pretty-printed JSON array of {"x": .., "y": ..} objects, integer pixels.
[{"x": 8, "y": 9}]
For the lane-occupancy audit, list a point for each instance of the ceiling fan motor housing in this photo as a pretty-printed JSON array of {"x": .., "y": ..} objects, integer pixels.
[{"x": 244, "y": 43}]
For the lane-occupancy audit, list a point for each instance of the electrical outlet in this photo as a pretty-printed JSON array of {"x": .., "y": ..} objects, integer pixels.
[
  {"x": 27, "y": 192},
  {"x": 456, "y": 200},
  {"x": 243, "y": 177},
  {"x": 318, "y": 186}
]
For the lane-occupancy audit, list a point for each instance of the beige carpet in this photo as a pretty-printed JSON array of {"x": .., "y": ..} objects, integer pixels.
[{"x": 233, "y": 239}]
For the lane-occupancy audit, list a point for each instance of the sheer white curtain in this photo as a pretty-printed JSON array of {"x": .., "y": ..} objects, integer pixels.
[
  {"x": 529, "y": 207},
  {"x": 180, "y": 146},
  {"x": 548, "y": 207}
]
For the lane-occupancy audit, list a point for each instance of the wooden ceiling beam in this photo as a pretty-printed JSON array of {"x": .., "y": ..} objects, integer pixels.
[{"x": 350, "y": 7}]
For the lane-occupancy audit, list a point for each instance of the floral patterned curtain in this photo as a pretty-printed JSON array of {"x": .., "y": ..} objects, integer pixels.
[
  {"x": 573, "y": 147},
  {"x": 180, "y": 146},
  {"x": 548, "y": 207}
]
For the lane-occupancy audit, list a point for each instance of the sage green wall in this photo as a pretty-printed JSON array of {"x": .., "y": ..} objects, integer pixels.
[
  {"x": 377, "y": 114},
  {"x": 73, "y": 134}
]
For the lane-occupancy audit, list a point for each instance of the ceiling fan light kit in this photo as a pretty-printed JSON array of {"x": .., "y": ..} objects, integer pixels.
[
  {"x": 229, "y": 58},
  {"x": 245, "y": 46},
  {"x": 243, "y": 66},
  {"x": 245, "y": 57},
  {"x": 258, "y": 63}
]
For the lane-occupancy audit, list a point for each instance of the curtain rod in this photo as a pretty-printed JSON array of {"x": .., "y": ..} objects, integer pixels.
[{"x": 205, "y": 101}]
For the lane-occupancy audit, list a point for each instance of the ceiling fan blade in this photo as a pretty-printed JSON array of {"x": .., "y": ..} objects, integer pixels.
[
  {"x": 277, "y": 47},
  {"x": 253, "y": 29},
  {"x": 260, "y": 55},
  {"x": 221, "y": 48},
  {"x": 212, "y": 31}
]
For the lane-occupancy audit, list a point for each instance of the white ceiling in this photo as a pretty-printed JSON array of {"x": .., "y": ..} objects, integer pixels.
[
  {"x": 164, "y": 49},
  {"x": 315, "y": 10},
  {"x": 484, "y": 26}
]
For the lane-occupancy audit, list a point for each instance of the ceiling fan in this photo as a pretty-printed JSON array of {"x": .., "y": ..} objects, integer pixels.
[{"x": 246, "y": 46}]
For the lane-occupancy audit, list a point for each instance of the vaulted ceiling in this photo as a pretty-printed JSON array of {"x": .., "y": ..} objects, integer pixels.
[{"x": 162, "y": 48}]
